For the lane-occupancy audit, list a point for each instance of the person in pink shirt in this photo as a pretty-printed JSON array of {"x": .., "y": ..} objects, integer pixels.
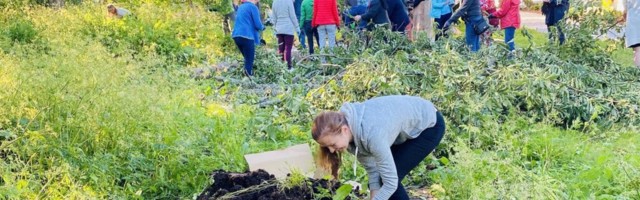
[
  {"x": 509, "y": 15},
  {"x": 488, "y": 7}
]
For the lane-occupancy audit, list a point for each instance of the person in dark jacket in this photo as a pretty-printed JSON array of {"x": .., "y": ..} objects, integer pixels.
[
  {"x": 554, "y": 11},
  {"x": 471, "y": 14},
  {"x": 398, "y": 15},
  {"x": 246, "y": 32},
  {"x": 376, "y": 14}
]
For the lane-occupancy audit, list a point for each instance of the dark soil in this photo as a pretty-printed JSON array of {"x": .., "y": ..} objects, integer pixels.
[{"x": 260, "y": 185}]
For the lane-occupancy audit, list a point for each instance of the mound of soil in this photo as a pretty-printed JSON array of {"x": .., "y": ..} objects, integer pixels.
[{"x": 260, "y": 185}]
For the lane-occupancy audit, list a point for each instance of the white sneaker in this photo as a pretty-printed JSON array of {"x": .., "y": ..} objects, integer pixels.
[{"x": 291, "y": 69}]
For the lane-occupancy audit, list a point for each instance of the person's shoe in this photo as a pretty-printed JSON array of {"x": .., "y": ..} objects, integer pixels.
[
  {"x": 290, "y": 69},
  {"x": 246, "y": 73}
]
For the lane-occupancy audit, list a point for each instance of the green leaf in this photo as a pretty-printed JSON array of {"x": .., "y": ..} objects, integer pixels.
[
  {"x": 342, "y": 192},
  {"x": 444, "y": 160}
]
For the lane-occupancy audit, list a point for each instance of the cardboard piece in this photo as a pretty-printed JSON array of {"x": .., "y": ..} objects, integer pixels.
[{"x": 282, "y": 162}]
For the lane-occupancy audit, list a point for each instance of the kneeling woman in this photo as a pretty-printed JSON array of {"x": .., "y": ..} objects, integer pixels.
[{"x": 389, "y": 135}]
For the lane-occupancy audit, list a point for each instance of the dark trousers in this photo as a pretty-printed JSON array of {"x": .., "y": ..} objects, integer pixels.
[
  {"x": 552, "y": 35},
  {"x": 311, "y": 33},
  {"x": 400, "y": 26},
  {"x": 248, "y": 49},
  {"x": 440, "y": 21},
  {"x": 410, "y": 153},
  {"x": 285, "y": 43}
]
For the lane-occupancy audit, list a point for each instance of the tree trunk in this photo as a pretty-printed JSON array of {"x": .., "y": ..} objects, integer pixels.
[
  {"x": 225, "y": 25},
  {"x": 56, "y": 3}
]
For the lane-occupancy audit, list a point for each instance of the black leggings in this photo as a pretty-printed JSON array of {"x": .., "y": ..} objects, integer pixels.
[{"x": 410, "y": 153}]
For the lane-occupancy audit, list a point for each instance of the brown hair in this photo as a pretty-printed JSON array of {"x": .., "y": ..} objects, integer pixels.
[{"x": 328, "y": 123}]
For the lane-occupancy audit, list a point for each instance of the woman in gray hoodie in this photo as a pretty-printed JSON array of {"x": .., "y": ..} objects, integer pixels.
[
  {"x": 286, "y": 25},
  {"x": 389, "y": 136}
]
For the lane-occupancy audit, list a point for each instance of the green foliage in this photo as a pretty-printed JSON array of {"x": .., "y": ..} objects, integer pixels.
[
  {"x": 175, "y": 35},
  {"x": 541, "y": 162},
  {"x": 343, "y": 192},
  {"x": 22, "y": 31},
  {"x": 471, "y": 90}
]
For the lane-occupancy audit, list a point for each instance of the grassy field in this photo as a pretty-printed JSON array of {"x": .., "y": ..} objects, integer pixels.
[{"x": 97, "y": 108}]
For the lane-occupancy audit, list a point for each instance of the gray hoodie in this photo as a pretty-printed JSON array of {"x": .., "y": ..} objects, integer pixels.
[
  {"x": 284, "y": 17},
  {"x": 380, "y": 122}
]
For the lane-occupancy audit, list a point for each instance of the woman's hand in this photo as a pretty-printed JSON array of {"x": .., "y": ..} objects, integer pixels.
[
  {"x": 357, "y": 17},
  {"x": 372, "y": 194}
]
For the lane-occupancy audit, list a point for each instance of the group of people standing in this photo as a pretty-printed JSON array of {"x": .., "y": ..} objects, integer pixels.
[{"x": 321, "y": 19}]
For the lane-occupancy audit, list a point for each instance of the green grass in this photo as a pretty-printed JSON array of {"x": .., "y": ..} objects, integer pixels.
[
  {"x": 541, "y": 162},
  {"x": 620, "y": 54}
]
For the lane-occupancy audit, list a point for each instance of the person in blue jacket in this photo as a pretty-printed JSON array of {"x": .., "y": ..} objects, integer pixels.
[
  {"x": 554, "y": 11},
  {"x": 441, "y": 12},
  {"x": 246, "y": 32}
]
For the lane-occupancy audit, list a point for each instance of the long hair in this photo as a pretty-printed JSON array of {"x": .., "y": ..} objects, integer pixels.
[{"x": 328, "y": 123}]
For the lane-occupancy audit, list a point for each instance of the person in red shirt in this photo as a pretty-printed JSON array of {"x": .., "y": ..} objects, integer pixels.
[
  {"x": 509, "y": 15},
  {"x": 325, "y": 18}
]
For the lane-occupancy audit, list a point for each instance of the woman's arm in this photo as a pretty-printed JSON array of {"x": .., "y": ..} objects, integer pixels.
[
  {"x": 386, "y": 168},
  {"x": 369, "y": 164},
  {"x": 461, "y": 11},
  {"x": 255, "y": 15},
  {"x": 373, "y": 9},
  {"x": 504, "y": 9}
]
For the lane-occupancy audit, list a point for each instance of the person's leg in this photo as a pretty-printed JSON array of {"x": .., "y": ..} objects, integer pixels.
[
  {"x": 301, "y": 36},
  {"x": 636, "y": 58},
  {"x": 560, "y": 35},
  {"x": 317, "y": 36},
  {"x": 550, "y": 30},
  {"x": 247, "y": 48},
  {"x": 509, "y": 34},
  {"x": 310, "y": 35},
  {"x": 288, "y": 44},
  {"x": 281, "y": 45},
  {"x": 240, "y": 46},
  {"x": 331, "y": 33},
  {"x": 471, "y": 38},
  {"x": 441, "y": 31},
  {"x": 251, "y": 53},
  {"x": 402, "y": 27},
  {"x": 410, "y": 153},
  {"x": 440, "y": 25},
  {"x": 322, "y": 32},
  {"x": 476, "y": 42}
]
